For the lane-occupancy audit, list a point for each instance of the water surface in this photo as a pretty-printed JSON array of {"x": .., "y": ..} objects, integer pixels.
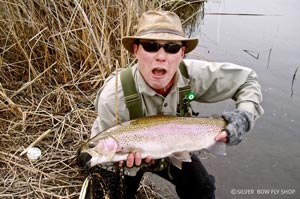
[{"x": 267, "y": 164}]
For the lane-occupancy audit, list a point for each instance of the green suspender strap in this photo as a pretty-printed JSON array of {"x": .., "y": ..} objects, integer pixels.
[
  {"x": 185, "y": 94},
  {"x": 132, "y": 98}
]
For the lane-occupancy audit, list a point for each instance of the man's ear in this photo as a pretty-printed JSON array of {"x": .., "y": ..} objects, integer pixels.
[
  {"x": 182, "y": 51},
  {"x": 135, "y": 48}
]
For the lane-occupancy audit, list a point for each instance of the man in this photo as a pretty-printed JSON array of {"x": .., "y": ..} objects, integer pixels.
[{"x": 159, "y": 47}]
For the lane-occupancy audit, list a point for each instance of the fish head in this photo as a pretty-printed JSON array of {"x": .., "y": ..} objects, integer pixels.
[{"x": 97, "y": 151}]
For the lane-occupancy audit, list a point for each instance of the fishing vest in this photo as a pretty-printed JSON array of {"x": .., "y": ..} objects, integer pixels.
[{"x": 133, "y": 100}]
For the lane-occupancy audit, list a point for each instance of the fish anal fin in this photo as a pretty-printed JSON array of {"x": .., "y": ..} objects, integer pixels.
[
  {"x": 218, "y": 148},
  {"x": 178, "y": 157}
]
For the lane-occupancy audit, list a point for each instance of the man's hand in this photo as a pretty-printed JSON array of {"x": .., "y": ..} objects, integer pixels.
[
  {"x": 239, "y": 122},
  {"x": 134, "y": 159}
]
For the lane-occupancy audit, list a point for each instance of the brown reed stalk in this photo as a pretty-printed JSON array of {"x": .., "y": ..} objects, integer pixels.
[{"x": 54, "y": 56}]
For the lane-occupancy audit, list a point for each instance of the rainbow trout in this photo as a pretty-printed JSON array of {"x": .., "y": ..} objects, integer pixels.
[{"x": 155, "y": 136}]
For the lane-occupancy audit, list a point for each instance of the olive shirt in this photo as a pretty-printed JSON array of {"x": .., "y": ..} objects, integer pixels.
[{"x": 210, "y": 81}]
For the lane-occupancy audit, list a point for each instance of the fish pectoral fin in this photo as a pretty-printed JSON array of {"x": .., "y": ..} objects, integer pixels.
[{"x": 177, "y": 158}]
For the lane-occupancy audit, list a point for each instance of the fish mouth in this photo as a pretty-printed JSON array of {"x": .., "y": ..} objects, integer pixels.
[
  {"x": 84, "y": 160},
  {"x": 159, "y": 72}
]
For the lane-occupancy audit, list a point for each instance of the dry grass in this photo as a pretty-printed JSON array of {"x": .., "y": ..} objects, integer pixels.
[{"x": 54, "y": 55}]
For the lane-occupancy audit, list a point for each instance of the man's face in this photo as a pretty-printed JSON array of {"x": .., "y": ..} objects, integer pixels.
[{"x": 158, "y": 68}]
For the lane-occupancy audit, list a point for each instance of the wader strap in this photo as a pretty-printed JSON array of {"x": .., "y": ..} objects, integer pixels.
[
  {"x": 183, "y": 70},
  {"x": 184, "y": 101},
  {"x": 183, "y": 109},
  {"x": 132, "y": 98}
]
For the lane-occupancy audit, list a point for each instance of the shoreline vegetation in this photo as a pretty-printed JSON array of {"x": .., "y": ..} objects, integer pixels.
[{"x": 54, "y": 56}]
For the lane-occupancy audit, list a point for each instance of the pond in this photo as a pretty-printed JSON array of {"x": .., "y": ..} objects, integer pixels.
[{"x": 263, "y": 35}]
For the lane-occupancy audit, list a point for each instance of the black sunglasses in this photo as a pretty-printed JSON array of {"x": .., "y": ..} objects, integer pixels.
[{"x": 154, "y": 47}]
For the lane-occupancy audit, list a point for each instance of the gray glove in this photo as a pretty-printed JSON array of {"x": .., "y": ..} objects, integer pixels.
[{"x": 239, "y": 122}]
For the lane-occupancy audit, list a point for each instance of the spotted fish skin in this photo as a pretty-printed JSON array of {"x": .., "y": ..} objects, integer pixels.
[{"x": 155, "y": 136}]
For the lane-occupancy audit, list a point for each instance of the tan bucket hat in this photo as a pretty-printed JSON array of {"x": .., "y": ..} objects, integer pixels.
[{"x": 159, "y": 25}]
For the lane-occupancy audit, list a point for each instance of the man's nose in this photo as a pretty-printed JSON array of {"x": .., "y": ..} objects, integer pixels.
[{"x": 161, "y": 54}]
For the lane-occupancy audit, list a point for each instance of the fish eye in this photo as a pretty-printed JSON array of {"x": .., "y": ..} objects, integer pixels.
[{"x": 92, "y": 144}]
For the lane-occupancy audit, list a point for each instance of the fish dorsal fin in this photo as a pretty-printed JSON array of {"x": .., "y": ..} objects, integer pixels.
[
  {"x": 178, "y": 157},
  {"x": 219, "y": 148}
]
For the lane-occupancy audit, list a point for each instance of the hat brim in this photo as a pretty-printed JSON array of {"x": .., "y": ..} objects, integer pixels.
[{"x": 190, "y": 43}]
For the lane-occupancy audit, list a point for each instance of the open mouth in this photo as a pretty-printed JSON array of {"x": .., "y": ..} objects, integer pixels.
[{"x": 159, "y": 72}]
